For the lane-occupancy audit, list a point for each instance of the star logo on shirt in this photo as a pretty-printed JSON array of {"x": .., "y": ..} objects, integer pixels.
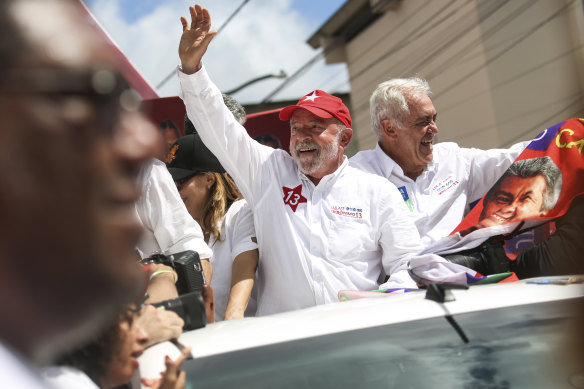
[
  {"x": 312, "y": 97},
  {"x": 293, "y": 196}
]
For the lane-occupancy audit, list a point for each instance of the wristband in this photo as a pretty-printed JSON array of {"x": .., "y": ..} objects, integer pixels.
[{"x": 174, "y": 278}]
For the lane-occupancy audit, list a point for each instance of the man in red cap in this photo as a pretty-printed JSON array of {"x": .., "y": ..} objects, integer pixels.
[
  {"x": 322, "y": 226},
  {"x": 326, "y": 117}
]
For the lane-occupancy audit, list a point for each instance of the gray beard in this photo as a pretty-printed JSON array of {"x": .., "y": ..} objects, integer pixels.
[{"x": 324, "y": 155}]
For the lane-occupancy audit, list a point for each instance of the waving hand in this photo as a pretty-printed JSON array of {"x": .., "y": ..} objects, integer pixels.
[{"x": 195, "y": 39}]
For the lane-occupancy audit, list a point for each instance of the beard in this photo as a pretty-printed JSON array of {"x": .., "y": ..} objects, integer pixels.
[{"x": 309, "y": 165}]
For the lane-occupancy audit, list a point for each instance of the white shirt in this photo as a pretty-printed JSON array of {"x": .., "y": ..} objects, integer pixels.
[
  {"x": 313, "y": 240},
  {"x": 237, "y": 229},
  {"x": 67, "y": 377},
  {"x": 16, "y": 372},
  {"x": 438, "y": 197},
  {"x": 168, "y": 226}
]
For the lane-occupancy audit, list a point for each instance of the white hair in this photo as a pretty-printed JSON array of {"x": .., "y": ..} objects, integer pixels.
[{"x": 390, "y": 100}]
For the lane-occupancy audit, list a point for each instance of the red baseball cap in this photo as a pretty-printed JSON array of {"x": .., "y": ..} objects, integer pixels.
[{"x": 322, "y": 105}]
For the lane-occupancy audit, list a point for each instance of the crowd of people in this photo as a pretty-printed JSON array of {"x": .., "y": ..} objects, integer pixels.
[
  {"x": 334, "y": 221},
  {"x": 274, "y": 230}
]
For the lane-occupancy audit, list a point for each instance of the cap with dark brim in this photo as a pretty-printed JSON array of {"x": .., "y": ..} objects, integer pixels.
[
  {"x": 189, "y": 155},
  {"x": 178, "y": 173}
]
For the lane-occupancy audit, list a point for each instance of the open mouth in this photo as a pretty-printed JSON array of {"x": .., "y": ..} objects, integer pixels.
[
  {"x": 427, "y": 142},
  {"x": 500, "y": 219},
  {"x": 306, "y": 150},
  {"x": 136, "y": 354}
]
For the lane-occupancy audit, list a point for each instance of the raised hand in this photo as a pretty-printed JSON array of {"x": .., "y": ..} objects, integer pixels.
[
  {"x": 173, "y": 377},
  {"x": 195, "y": 39},
  {"x": 160, "y": 325}
]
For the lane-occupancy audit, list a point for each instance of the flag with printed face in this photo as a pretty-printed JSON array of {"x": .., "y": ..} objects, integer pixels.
[
  {"x": 538, "y": 186},
  {"x": 520, "y": 207}
]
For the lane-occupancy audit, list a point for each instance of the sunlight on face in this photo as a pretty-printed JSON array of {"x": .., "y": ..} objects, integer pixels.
[
  {"x": 314, "y": 143},
  {"x": 414, "y": 144}
]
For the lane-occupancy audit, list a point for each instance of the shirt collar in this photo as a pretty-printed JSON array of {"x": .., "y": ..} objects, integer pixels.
[
  {"x": 389, "y": 166},
  {"x": 386, "y": 164}
]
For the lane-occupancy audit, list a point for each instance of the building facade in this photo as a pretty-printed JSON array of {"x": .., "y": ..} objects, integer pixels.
[{"x": 501, "y": 71}]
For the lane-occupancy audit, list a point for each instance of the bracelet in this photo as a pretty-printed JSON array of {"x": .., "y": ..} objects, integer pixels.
[{"x": 174, "y": 278}]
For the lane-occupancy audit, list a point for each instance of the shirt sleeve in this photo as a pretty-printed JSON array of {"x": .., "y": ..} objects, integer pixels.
[
  {"x": 241, "y": 156},
  {"x": 486, "y": 166},
  {"x": 243, "y": 229},
  {"x": 174, "y": 228}
]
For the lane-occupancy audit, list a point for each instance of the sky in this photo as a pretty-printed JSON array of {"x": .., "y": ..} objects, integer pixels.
[{"x": 265, "y": 37}]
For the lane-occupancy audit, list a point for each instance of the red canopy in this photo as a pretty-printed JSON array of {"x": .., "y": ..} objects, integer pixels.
[
  {"x": 160, "y": 108},
  {"x": 132, "y": 76},
  {"x": 172, "y": 108}
]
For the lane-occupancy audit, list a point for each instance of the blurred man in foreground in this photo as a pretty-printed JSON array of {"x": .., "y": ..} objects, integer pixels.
[{"x": 70, "y": 152}]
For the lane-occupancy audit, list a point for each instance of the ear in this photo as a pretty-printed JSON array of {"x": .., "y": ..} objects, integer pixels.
[
  {"x": 388, "y": 128},
  {"x": 209, "y": 179},
  {"x": 346, "y": 137}
]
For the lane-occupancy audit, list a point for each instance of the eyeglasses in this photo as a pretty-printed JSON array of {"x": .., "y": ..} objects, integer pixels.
[{"x": 105, "y": 89}]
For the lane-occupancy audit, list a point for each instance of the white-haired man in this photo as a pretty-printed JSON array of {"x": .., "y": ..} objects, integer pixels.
[{"x": 437, "y": 182}]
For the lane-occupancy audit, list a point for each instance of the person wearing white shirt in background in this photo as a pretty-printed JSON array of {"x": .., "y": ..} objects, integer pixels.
[
  {"x": 437, "y": 182},
  {"x": 322, "y": 225},
  {"x": 168, "y": 227},
  {"x": 213, "y": 200}
]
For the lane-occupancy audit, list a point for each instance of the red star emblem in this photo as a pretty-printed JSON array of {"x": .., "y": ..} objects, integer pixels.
[{"x": 293, "y": 197}]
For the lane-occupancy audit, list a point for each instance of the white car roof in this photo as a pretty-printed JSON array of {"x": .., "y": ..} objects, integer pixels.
[{"x": 229, "y": 336}]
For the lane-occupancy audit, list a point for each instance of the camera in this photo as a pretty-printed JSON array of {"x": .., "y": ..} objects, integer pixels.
[
  {"x": 195, "y": 304},
  {"x": 187, "y": 266},
  {"x": 190, "y": 307}
]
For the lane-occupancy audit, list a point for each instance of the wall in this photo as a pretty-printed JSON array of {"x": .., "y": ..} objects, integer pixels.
[{"x": 501, "y": 70}]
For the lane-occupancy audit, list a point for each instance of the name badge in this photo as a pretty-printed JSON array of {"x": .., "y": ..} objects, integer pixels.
[{"x": 406, "y": 197}]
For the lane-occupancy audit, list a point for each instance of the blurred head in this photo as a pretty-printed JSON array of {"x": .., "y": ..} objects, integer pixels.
[
  {"x": 169, "y": 132},
  {"x": 236, "y": 109},
  {"x": 404, "y": 120},
  {"x": 111, "y": 358},
  {"x": 70, "y": 150},
  {"x": 269, "y": 140},
  {"x": 319, "y": 133},
  {"x": 529, "y": 188},
  {"x": 205, "y": 188}
]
